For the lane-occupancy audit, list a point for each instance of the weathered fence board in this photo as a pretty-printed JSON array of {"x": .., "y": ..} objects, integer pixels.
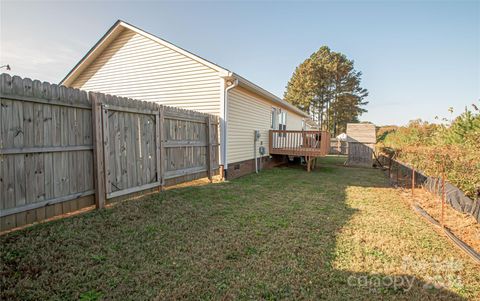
[
  {"x": 338, "y": 147},
  {"x": 131, "y": 145},
  {"x": 63, "y": 149},
  {"x": 42, "y": 151}
]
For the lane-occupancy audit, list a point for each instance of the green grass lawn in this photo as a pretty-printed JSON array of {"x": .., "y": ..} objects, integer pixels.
[{"x": 336, "y": 233}]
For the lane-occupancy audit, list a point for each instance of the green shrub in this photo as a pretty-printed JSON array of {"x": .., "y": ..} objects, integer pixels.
[{"x": 452, "y": 148}]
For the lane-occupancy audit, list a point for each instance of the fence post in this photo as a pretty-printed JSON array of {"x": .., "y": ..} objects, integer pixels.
[
  {"x": 162, "y": 147},
  {"x": 413, "y": 180},
  {"x": 98, "y": 157},
  {"x": 443, "y": 198},
  {"x": 158, "y": 149},
  {"x": 398, "y": 174},
  {"x": 208, "y": 123},
  {"x": 390, "y": 168}
]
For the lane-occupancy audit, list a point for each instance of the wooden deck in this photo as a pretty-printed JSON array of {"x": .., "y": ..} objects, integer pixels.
[{"x": 308, "y": 144}]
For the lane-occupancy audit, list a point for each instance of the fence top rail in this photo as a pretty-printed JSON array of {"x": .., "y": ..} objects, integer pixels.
[{"x": 130, "y": 110}]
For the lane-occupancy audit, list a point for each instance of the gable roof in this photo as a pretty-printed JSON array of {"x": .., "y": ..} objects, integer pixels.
[{"x": 119, "y": 26}]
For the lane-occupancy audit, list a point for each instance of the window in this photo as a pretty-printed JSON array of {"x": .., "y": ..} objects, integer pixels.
[
  {"x": 278, "y": 120},
  {"x": 273, "y": 119},
  {"x": 282, "y": 121}
]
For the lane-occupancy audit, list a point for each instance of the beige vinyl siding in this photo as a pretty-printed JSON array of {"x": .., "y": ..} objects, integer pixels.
[
  {"x": 136, "y": 66},
  {"x": 248, "y": 112},
  {"x": 294, "y": 121}
]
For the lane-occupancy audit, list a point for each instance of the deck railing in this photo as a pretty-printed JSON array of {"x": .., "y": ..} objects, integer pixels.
[{"x": 299, "y": 143}]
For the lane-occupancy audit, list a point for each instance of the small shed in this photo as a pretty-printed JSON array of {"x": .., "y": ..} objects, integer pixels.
[{"x": 361, "y": 139}]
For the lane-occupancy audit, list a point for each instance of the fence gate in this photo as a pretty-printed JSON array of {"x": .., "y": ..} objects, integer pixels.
[{"x": 131, "y": 149}]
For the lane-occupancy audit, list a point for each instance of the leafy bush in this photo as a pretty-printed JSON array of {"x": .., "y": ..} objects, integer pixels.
[{"x": 452, "y": 148}]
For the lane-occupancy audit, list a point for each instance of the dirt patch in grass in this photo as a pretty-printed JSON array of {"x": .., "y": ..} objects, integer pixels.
[
  {"x": 464, "y": 226},
  {"x": 334, "y": 234}
]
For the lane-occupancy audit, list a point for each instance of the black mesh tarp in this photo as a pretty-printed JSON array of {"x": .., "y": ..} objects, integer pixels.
[{"x": 453, "y": 195}]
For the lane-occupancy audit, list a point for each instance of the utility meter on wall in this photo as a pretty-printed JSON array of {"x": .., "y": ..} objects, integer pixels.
[
  {"x": 261, "y": 150},
  {"x": 257, "y": 135}
]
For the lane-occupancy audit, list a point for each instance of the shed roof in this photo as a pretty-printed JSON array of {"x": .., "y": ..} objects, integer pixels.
[{"x": 362, "y": 132}]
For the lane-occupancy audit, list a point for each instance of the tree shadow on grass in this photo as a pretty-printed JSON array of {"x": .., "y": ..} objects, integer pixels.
[{"x": 271, "y": 236}]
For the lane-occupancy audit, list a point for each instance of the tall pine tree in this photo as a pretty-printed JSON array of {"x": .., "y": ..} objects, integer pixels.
[{"x": 328, "y": 87}]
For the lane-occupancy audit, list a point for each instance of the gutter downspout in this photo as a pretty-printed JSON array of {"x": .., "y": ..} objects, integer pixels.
[
  {"x": 232, "y": 85},
  {"x": 255, "y": 150}
]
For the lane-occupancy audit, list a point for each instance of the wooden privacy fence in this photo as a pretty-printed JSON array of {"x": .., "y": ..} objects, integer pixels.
[
  {"x": 338, "y": 147},
  {"x": 63, "y": 149}
]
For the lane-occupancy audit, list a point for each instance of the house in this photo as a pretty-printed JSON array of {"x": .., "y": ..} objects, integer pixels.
[{"x": 130, "y": 62}]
